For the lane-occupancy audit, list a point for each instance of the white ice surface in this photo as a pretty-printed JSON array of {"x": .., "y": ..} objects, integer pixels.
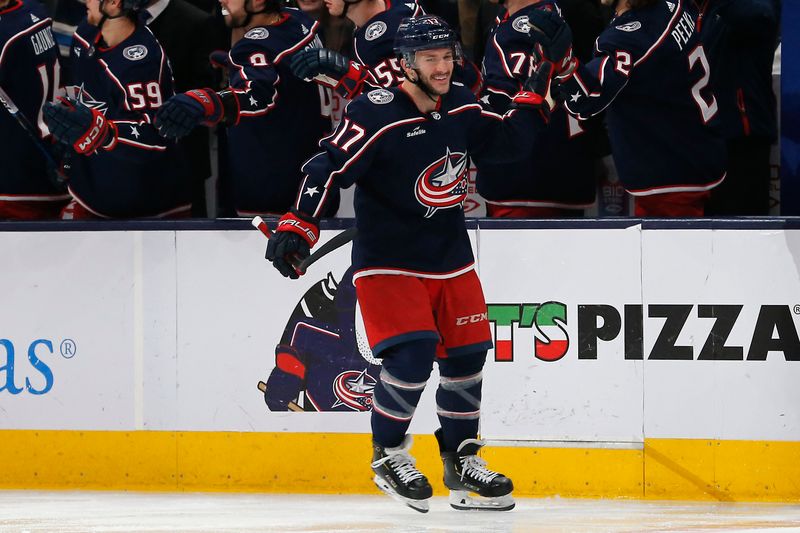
[{"x": 69, "y": 512}]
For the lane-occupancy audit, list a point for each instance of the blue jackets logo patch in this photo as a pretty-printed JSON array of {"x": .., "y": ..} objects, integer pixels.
[
  {"x": 257, "y": 33},
  {"x": 375, "y": 30},
  {"x": 444, "y": 183},
  {"x": 135, "y": 52},
  {"x": 521, "y": 24}
]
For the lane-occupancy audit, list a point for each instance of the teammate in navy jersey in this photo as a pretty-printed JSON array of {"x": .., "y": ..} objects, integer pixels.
[
  {"x": 740, "y": 37},
  {"x": 274, "y": 120},
  {"x": 121, "y": 76},
  {"x": 375, "y": 64},
  {"x": 652, "y": 74},
  {"x": 556, "y": 179},
  {"x": 407, "y": 149},
  {"x": 29, "y": 75}
]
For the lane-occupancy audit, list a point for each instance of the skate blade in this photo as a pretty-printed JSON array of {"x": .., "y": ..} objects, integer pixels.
[
  {"x": 464, "y": 501},
  {"x": 422, "y": 506}
]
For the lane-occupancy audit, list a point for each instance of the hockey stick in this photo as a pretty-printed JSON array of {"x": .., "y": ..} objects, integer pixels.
[
  {"x": 301, "y": 266},
  {"x": 61, "y": 178},
  {"x": 292, "y": 405}
]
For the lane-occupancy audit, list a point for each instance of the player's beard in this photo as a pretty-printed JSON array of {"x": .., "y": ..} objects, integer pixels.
[{"x": 426, "y": 86}]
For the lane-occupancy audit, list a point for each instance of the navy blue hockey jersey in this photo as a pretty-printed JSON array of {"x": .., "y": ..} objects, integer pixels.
[
  {"x": 281, "y": 119},
  {"x": 559, "y": 170},
  {"x": 652, "y": 74},
  {"x": 373, "y": 43},
  {"x": 29, "y": 74},
  {"x": 740, "y": 37},
  {"x": 144, "y": 175},
  {"x": 411, "y": 169},
  {"x": 373, "y": 46}
]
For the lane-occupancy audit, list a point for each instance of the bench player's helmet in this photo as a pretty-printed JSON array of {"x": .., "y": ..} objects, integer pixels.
[{"x": 424, "y": 33}]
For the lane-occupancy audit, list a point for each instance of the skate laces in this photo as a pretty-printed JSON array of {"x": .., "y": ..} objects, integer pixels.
[
  {"x": 475, "y": 467},
  {"x": 402, "y": 464}
]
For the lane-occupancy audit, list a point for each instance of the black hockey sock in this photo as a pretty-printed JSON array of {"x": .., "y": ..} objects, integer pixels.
[
  {"x": 406, "y": 369},
  {"x": 458, "y": 398}
]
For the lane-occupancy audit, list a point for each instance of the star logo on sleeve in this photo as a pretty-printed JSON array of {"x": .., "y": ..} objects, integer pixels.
[
  {"x": 574, "y": 97},
  {"x": 311, "y": 191},
  {"x": 485, "y": 99},
  {"x": 253, "y": 101},
  {"x": 135, "y": 132}
]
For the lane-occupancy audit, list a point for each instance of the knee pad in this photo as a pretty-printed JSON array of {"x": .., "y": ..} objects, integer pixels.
[
  {"x": 406, "y": 369},
  {"x": 464, "y": 365}
]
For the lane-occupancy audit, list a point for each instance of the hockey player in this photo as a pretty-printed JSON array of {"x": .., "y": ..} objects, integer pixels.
[
  {"x": 740, "y": 37},
  {"x": 123, "y": 168},
  {"x": 274, "y": 120},
  {"x": 29, "y": 75},
  {"x": 652, "y": 74},
  {"x": 376, "y": 23},
  {"x": 556, "y": 179},
  {"x": 375, "y": 63},
  {"x": 407, "y": 148}
]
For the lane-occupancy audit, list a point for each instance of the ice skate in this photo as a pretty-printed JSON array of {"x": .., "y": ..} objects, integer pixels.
[
  {"x": 472, "y": 485},
  {"x": 396, "y": 475}
]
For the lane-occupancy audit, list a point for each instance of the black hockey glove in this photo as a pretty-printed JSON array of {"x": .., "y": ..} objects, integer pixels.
[
  {"x": 295, "y": 235},
  {"x": 179, "y": 115},
  {"x": 331, "y": 69},
  {"x": 84, "y": 129},
  {"x": 552, "y": 40},
  {"x": 535, "y": 91}
]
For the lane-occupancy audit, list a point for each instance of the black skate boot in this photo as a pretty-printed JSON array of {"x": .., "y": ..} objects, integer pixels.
[
  {"x": 466, "y": 475},
  {"x": 396, "y": 475}
]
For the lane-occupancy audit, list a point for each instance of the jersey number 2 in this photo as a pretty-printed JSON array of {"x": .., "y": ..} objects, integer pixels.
[{"x": 707, "y": 108}]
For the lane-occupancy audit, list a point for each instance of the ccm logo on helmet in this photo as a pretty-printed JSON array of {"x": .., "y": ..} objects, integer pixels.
[{"x": 471, "y": 319}]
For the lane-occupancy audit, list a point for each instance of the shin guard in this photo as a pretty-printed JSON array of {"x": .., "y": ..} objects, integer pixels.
[{"x": 458, "y": 398}]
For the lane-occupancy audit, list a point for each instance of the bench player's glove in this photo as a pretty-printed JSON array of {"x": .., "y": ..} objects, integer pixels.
[
  {"x": 179, "y": 115},
  {"x": 534, "y": 93},
  {"x": 295, "y": 235},
  {"x": 552, "y": 40},
  {"x": 331, "y": 69},
  {"x": 86, "y": 130}
]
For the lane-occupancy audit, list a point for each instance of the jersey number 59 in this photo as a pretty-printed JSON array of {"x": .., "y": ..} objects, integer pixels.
[{"x": 144, "y": 95}]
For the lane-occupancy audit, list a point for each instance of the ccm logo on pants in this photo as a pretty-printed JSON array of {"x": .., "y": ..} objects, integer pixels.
[{"x": 472, "y": 319}]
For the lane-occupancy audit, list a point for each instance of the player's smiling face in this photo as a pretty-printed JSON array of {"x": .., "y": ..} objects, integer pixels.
[{"x": 435, "y": 68}]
